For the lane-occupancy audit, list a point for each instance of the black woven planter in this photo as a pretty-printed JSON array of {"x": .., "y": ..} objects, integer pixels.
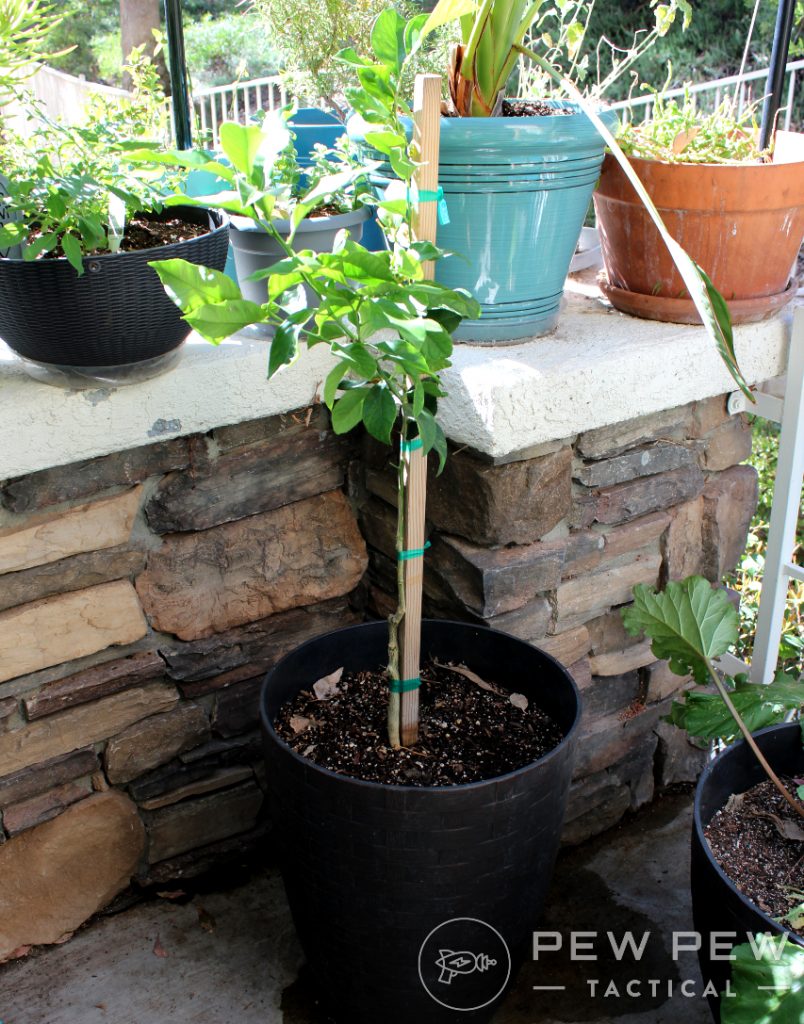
[
  {"x": 373, "y": 870},
  {"x": 717, "y": 904},
  {"x": 116, "y": 313}
]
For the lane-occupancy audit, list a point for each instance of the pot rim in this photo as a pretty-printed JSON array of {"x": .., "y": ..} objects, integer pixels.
[
  {"x": 330, "y": 221},
  {"x": 699, "y": 828},
  {"x": 268, "y": 725},
  {"x": 121, "y": 254},
  {"x": 726, "y": 168}
]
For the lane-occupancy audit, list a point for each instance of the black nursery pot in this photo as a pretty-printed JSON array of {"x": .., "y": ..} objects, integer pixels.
[
  {"x": 372, "y": 871},
  {"x": 717, "y": 903},
  {"x": 116, "y": 313}
]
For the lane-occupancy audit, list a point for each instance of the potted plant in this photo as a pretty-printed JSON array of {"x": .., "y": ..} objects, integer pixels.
[
  {"x": 373, "y": 789},
  {"x": 481, "y": 817},
  {"x": 78, "y": 298},
  {"x": 749, "y": 815},
  {"x": 517, "y": 175},
  {"x": 721, "y": 198}
]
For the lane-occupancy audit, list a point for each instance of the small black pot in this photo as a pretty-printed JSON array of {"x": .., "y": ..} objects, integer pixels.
[
  {"x": 372, "y": 871},
  {"x": 116, "y": 313},
  {"x": 717, "y": 903}
]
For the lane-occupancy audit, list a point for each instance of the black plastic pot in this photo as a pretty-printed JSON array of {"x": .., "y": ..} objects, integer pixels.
[
  {"x": 254, "y": 249},
  {"x": 372, "y": 871},
  {"x": 717, "y": 904},
  {"x": 115, "y": 314}
]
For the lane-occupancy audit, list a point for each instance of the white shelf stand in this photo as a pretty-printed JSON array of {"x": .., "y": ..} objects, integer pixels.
[{"x": 779, "y": 565}]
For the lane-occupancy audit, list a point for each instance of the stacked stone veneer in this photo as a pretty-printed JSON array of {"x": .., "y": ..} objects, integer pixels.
[
  {"x": 144, "y": 594},
  {"x": 549, "y": 547}
]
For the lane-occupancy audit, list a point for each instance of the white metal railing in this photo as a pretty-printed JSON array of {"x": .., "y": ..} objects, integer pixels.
[
  {"x": 749, "y": 87},
  {"x": 236, "y": 102}
]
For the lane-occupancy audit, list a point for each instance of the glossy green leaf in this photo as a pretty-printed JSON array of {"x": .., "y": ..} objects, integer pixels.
[
  {"x": 42, "y": 244},
  {"x": 388, "y": 38},
  {"x": 242, "y": 145},
  {"x": 284, "y": 347},
  {"x": 689, "y": 624},
  {"x": 334, "y": 378},
  {"x": 224, "y": 319},
  {"x": 432, "y": 436},
  {"x": 384, "y": 142},
  {"x": 12, "y": 234},
  {"x": 414, "y": 33},
  {"x": 192, "y": 286},
  {"x": 379, "y": 413},
  {"x": 347, "y": 411},
  {"x": 767, "y": 982}
]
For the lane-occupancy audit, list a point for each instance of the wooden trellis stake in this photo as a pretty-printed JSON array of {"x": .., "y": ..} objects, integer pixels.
[{"x": 426, "y": 136}]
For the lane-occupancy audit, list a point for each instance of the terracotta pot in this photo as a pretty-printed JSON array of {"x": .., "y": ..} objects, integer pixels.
[{"x": 743, "y": 223}]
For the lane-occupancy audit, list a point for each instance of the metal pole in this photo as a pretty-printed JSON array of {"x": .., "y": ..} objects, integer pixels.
[
  {"x": 778, "y": 61},
  {"x": 177, "y": 66}
]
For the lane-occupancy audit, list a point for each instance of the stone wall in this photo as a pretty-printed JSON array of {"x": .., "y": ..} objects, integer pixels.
[
  {"x": 144, "y": 594},
  {"x": 549, "y": 548}
]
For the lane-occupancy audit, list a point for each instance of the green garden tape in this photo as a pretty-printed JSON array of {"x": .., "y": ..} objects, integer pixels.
[
  {"x": 405, "y": 556},
  {"x": 405, "y": 685},
  {"x": 427, "y": 195},
  {"x": 411, "y": 446}
]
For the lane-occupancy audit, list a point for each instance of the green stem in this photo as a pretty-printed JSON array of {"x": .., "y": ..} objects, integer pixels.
[{"x": 749, "y": 739}]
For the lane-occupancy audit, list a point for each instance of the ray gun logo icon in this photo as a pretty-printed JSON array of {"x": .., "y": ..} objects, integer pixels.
[{"x": 452, "y": 964}]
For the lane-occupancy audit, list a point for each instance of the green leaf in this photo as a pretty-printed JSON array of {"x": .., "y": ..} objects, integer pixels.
[
  {"x": 42, "y": 244},
  {"x": 284, "y": 347},
  {"x": 12, "y": 234},
  {"x": 221, "y": 321},
  {"x": 414, "y": 33},
  {"x": 432, "y": 436},
  {"x": 350, "y": 56},
  {"x": 192, "y": 286},
  {"x": 347, "y": 411},
  {"x": 379, "y": 413},
  {"x": 706, "y": 716},
  {"x": 376, "y": 80},
  {"x": 768, "y": 984},
  {"x": 384, "y": 142},
  {"x": 800, "y": 792},
  {"x": 388, "y": 38},
  {"x": 334, "y": 378},
  {"x": 689, "y": 623},
  {"x": 359, "y": 359},
  {"x": 72, "y": 250},
  {"x": 242, "y": 145},
  {"x": 446, "y": 11}
]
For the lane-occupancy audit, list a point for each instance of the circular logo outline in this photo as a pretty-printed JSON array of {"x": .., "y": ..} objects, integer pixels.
[{"x": 497, "y": 994}]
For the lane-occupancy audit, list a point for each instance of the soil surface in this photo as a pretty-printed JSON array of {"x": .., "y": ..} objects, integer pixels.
[
  {"x": 467, "y": 733},
  {"x": 531, "y": 108},
  {"x": 764, "y": 865},
  {"x": 141, "y": 233}
]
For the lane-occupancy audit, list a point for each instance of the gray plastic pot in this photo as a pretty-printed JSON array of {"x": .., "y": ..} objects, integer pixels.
[{"x": 254, "y": 249}]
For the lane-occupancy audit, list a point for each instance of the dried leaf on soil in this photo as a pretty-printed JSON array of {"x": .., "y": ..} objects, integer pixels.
[
  {"x": 159, "y": 949},
  {"x": 299, "y": 723},
  {"x": 472, "y": 677},
  {"x": 327, "y": 686},
  {"x": 519, "y": 700},
  {"x": 787, "y": 829}
]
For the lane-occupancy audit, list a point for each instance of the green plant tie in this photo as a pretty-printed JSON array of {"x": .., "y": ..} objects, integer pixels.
[
  {"x": 428, "y": 195},
  {"x": 405, "y": 556},
  {"x": 406, "y": 447},
  {"x": 405, "y": 685}
]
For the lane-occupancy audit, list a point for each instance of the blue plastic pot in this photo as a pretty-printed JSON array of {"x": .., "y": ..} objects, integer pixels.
[
  {"x": 517, "y": 190},
  {"x": 311, "y": 127}
]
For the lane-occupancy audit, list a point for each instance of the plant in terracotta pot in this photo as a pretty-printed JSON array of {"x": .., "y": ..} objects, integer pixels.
[
  {"x": 721, "y": 198},
  {"x": 78, "y": 301},
  {"x": 517, "y": 175},
  {"x": 748, "y": 830}
]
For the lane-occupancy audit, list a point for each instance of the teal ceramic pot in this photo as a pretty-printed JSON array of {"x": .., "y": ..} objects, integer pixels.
[{"x": 517, "y": 190}]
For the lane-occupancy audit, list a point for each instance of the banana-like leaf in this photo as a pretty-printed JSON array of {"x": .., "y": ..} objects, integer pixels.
[
  {"x": 714, "y": 316},
  {"x": 446, "y": 11}
]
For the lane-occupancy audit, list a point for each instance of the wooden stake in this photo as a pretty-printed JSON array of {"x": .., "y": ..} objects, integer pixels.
[{"x": 426, "y": 137}]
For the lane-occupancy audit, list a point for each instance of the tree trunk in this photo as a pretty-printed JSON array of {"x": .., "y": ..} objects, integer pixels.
[{"x": 138, "y": 19}]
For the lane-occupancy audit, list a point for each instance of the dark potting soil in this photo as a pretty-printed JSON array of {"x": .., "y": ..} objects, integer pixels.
[
  {"x": 764, "y": 865},
  {"x": 531, "y": 108},
  {"x": 467, "y": 733},
  {"x": 144, "y": 232}
]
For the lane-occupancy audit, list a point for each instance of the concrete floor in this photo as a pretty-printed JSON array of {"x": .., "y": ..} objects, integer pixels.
[{"x": 231, "y": 956}]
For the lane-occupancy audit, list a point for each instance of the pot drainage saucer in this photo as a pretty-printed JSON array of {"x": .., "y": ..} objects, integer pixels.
[{"x": 682, "y": 311}]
